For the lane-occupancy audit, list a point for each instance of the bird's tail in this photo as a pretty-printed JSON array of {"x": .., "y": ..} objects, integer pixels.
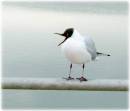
[{"x": 102, "y": 54}]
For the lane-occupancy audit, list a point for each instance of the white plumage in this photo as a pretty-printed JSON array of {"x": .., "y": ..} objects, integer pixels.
[
  {"x": 75, "y": 48},
  {"x": 78, "y": 49}
]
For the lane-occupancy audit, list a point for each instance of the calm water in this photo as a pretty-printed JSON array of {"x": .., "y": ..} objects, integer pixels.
[{"x": 30, "y": 50}]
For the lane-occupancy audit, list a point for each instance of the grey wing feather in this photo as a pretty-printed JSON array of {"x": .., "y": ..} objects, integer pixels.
[{"x": 90, "y": 45}]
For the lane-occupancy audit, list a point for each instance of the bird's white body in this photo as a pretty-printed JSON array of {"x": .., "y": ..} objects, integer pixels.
[
  {"x": 78, "y": 49},
  {"x": 75, "y": 49}
]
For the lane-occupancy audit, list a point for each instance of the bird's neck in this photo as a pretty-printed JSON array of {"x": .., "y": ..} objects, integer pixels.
[{"x": 77, "y": 35}]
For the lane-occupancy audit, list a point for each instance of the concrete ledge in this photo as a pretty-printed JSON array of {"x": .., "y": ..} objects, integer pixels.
[{"x": 62, "y": 84}]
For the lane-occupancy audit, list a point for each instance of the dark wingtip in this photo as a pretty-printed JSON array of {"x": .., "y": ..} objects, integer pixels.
[{"x": 108, "y": 55}]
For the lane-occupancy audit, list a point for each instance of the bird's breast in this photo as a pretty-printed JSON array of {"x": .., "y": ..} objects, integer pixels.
[{"x": 76, "y": 51}]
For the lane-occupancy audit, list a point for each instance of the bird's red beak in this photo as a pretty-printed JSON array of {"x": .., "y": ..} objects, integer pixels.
[{"x": 63, "y": 40}]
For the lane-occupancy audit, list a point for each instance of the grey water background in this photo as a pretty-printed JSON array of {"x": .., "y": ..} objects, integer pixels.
[{"x": 30, "y": 50}]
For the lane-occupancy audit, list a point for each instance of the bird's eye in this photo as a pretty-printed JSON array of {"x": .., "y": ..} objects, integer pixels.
[{"x": 67, "y": 34}]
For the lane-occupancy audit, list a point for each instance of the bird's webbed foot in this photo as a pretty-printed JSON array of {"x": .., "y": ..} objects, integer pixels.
[
  {"x": 69, "y": 78},
  {"x": 82, "y": 79}
]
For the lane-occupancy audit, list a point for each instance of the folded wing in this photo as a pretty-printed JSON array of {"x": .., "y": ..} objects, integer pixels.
[{"x": 90, "y": 46}]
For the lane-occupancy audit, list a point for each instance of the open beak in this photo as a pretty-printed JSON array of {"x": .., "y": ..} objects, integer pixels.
[
  {"x": 63, "y": 40},
  {"x": 58, "y": 34}
]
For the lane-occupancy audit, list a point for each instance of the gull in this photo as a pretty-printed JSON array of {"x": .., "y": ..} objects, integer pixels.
[{"x": 78, "y": 49}]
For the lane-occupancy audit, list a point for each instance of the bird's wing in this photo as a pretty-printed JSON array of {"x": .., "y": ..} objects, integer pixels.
[{"x": 90, "y": 45}]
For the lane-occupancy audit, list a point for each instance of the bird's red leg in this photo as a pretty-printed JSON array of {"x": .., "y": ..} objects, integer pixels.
[
  {"x": 82, "y": 78},
  {"x": 69, "y": 78}
]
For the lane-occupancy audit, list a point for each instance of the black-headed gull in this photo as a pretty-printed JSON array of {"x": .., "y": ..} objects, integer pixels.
[{"x": 78, "y": 49}]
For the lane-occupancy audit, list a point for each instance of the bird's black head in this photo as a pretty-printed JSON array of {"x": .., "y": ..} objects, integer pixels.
[{"x": 67, "y": 33}]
